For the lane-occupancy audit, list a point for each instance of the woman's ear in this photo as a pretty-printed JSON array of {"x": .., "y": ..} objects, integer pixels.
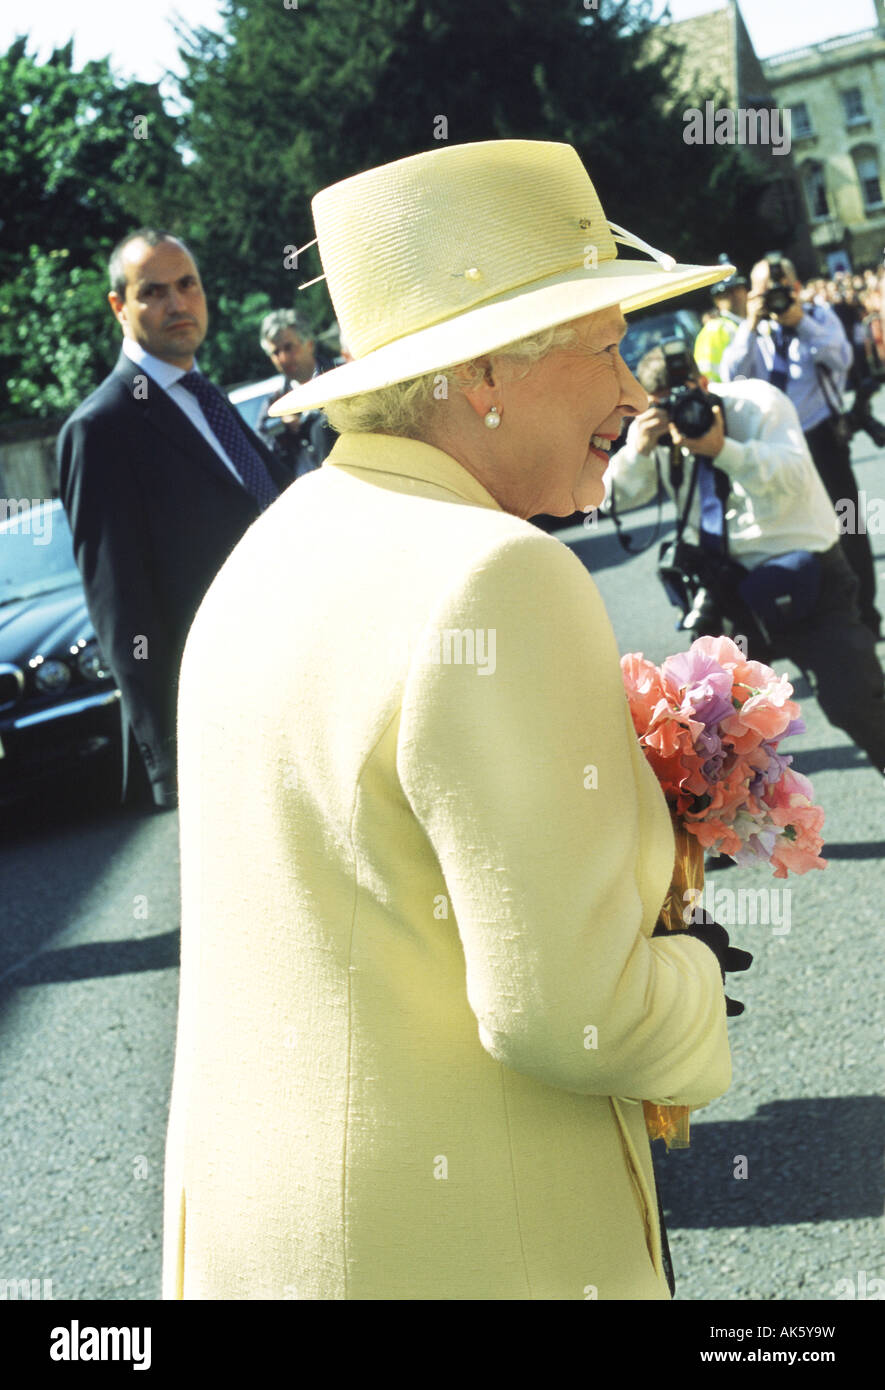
[{"x": 480, "y": 392}]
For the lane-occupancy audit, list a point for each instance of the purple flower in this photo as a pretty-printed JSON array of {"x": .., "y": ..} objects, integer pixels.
[
  {"x": 777, "y": 763},
  {"x": 701, "y": 684},
  {"x": 708, "y": 745}
]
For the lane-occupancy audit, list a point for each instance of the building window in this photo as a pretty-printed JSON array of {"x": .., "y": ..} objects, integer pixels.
[
  {"x": 866, "y": 162},
  {"x": 801, "y": 121},
  {"x": 816, "y": 191},
  {"x": 852, "y": 103}
]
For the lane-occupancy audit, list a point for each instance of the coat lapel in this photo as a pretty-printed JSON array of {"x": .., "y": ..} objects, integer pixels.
[{"x": 160, "y": 413}]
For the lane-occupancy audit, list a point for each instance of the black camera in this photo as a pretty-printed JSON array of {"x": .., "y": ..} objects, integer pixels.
[
  {"x": 689, "y": 408},
  {"x": 699, "y": 585},
  {"x": 778, "y": 297}
]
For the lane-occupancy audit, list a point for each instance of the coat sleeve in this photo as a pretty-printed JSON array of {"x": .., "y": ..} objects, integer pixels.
[
  {"x": 105, "y": 514},
  {"x": 743, "y": 356},
  {"x": 631, "y": 477},
  {"x": 772, "y": 457},
  {"x": 526, "y": 774}
]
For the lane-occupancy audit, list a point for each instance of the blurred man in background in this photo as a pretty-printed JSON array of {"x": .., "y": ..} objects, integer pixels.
[{"x": 303, "y": 441}]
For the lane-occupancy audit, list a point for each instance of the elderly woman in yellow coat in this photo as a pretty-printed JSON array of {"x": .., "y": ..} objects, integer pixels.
[{"x": 422, "y": 852}]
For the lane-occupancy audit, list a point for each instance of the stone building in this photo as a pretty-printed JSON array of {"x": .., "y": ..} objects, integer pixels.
[
  {"x": 836, "y": 92},
  {"x": 716, "y": 60}
]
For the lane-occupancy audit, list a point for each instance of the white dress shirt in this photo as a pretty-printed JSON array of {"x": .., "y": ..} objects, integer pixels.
[
  {"x": 167, "y": 376},
  {"x": 777, "y": 501}
]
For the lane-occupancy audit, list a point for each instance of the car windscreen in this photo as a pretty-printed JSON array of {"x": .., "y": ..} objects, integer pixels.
[{"x": 36, "y": 553}]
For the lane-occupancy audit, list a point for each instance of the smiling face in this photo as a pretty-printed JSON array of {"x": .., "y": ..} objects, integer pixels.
[
  {"x": 558, "y": 422},
  {"x": 164, "y": 307}
]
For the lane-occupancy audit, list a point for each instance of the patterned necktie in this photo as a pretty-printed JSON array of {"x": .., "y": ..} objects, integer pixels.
[
  {"x": 712, "y": 528},
  {"x": 220, "y": 415},
  {"x": 779, "y": 375}
]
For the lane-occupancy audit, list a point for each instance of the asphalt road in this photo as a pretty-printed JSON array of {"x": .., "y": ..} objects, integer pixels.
[{"x": 88, "y": 995}]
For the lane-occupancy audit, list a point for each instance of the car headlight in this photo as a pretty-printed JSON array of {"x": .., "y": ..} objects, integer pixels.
[
  {"x": 91, "y": 664},
  {"x": 52, "y": 677}
]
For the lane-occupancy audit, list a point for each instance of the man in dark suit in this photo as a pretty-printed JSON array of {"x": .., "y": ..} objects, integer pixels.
[{"x": 160, "y": 478}]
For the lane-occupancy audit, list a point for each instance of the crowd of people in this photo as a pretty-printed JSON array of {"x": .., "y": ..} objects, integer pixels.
[{"x": 858, "y": 300}]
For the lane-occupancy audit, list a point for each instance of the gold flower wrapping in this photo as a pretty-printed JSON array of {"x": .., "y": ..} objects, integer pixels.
[{"x": 671, "y": 1122}]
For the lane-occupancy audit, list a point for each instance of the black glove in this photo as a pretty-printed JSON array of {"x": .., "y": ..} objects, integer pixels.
[{"x": 730, "y": 958}]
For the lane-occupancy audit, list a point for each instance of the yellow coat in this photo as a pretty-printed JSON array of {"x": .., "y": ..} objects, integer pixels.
[{"x": 422, "y": 859}]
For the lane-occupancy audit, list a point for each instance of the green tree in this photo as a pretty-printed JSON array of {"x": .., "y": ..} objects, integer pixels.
[
  {"x": 55, "y": 334},
  {"x": 286, "y": 101},
  {"x": 84, "y": 157}
]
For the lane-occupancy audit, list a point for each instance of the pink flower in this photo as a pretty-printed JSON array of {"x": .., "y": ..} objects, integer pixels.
[
  {"x": 645, "y": 689},
  {"x": 789, "y": 804},
  {"x": 709, "y": 723}
]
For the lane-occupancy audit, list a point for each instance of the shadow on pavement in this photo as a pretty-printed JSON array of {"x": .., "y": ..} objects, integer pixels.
[
  {"x": 602, "y": 551},
  {"x": 817, "y": 1159},
  {"x": 812, "y": 760},
  {"x": 99, "y": 958},
  {"x": 871, "y": 849},
  {"x": 53, "y": 851}
]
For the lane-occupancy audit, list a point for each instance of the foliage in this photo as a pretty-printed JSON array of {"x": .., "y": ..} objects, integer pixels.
[
  {"x": 77, "y": 169},
  {"x": 342, "y": 87},
  {"x": 55, "y": 334},
  {"x": 284, "y": 101},
  {"x": 83, "y": 158}
]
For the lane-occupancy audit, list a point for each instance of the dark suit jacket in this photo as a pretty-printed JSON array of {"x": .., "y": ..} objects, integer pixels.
[{"x": 154, "y": 513}]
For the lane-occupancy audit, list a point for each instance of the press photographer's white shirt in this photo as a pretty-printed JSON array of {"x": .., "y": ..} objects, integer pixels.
[{"x": 777, "y": 501}]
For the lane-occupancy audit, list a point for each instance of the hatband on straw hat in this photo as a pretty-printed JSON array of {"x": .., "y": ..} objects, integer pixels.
[{"x": 441, "y": 257}]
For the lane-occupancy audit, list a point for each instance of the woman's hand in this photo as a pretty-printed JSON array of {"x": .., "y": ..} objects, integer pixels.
[{"x": 731, "y": 958}]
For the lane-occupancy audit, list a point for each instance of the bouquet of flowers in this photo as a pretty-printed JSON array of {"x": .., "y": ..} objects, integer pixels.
[{"x": 710, "y": 723}]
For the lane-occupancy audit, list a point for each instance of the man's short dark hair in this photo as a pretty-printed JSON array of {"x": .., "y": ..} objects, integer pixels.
[
  {"x": 153, "y": 236},
  {"x": 651, "y": 372}
]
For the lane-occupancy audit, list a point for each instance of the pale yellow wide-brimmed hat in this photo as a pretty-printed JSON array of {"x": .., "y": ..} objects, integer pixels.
[{"x": 441, "y": 257}]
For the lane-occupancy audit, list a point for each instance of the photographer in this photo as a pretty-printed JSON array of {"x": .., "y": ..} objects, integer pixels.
[
  {"x": 804, "y": 352},
  {"x": 759, "y": 548},
  {"x": 301, "y": 442}
]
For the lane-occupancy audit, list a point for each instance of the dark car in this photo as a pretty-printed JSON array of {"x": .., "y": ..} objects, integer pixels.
[{"x": 59, "y": 704}]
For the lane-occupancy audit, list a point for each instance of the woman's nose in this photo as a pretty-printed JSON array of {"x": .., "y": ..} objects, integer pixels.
[{"x": 633, "y": 395}]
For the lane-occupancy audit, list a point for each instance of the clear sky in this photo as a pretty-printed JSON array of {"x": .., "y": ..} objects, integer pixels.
[{"x": 141, "y": 41}]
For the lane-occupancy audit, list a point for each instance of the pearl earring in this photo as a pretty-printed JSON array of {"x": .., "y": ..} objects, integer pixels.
[{"x": 493, "y": 419}]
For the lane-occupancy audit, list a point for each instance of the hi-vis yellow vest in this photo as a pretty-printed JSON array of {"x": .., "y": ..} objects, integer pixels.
[{"x": 711, "y": 342}]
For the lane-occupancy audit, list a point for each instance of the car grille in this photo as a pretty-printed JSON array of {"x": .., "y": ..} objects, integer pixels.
[{"x": 12, "y": 685}]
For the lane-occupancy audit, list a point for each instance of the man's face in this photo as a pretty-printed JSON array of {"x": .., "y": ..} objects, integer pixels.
[
  {"x": 164, "y": 307},
  {"x": 293, "y": 356},
  {"x": 733, "y": 302}
]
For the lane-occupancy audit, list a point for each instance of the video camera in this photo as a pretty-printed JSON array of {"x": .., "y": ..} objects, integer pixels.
[
  {"x": 688, "y": 407},
  {"x": 778, "y": 297}
]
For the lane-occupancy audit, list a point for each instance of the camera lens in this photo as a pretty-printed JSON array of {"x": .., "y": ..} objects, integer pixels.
[
  {"x": 778, "y": 300},
  {"x": 692, "y": 413}
]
